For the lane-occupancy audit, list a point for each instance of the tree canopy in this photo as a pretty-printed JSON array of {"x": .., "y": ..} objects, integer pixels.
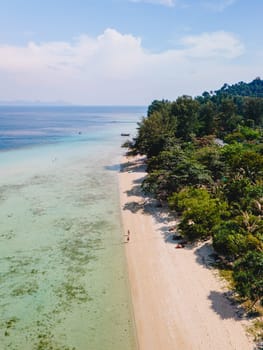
[{"x": 205, "y": 159}]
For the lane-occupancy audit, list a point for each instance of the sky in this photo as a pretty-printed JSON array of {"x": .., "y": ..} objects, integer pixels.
[{"x": 126, "y": 52}]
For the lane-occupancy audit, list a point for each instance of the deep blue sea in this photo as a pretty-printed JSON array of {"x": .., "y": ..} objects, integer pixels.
[
  {"x": 38, "y": 125},
  {"x": 63, "y": 280}
]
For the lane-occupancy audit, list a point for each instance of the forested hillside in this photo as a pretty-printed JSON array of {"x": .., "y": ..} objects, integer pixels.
[
  {"x": 205, "y": 159},
  {"x": 253, "y": 89}
]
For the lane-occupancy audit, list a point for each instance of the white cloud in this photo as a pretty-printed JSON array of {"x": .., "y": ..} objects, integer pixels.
[
  {"x": 216, "y": 44},
  {"x": 218, "y": 5},
  {"x": 169, "y": 3},
  {"x": 110, "y": 52},
  {"x": 114, "y": 68}
]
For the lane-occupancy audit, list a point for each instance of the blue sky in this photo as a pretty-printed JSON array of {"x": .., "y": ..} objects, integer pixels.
[{"x": 126, "y": 51}]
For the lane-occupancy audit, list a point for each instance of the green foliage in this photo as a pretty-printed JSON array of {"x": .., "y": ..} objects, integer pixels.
[
  {"x": 249, "y": 163},
  {"x": 207, "y": 118},
  {"x": 172, "y": 170},
  {"x": 187, "y": 196},
  {"x": 242, "y": 161},
  {"x": 228, "y": 119},
  {"x": 127, "y": 144},
  {"x": 210, "y": 158},
  {"x": 153, "y": 133},
  {"x": 205, "y": 155},
  {"x": 253, "y": 224},
  {"x": 242, "y": 134},
  {"x": 220, "y": 113},
  {"x": 253, "y": 111},
  {"x": 163, "y": 106},
  {"x": 167, "y": 159},
  {"x": 255, "y": 88},
  {"x": 232, "y": 240},
  {"x": 200, "y": 212},
  {"x": 247, "y": 275},
  {"x": 161, "y": 168},
  {"x": 242, "y": 194},
  {"x": 230, "y": 151},
  {"x": 186, "y": 111}
]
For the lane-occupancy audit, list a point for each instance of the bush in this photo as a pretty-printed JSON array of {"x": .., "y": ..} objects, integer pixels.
[
  {"x": 248, "y": 274},
  {"x": 200, "y": 212}
]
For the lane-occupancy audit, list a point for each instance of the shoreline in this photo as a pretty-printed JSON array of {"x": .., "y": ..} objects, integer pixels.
[{"x": 178, "y": 302}]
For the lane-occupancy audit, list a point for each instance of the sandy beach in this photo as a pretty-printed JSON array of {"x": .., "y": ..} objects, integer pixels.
[{"x": 178, "y": 301}]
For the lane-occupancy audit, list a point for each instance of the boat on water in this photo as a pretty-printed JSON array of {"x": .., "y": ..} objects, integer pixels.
[{"x": 124, "y": 134}]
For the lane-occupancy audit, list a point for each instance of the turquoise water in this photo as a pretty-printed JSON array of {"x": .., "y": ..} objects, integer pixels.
[{"x": 62, "y": 266}]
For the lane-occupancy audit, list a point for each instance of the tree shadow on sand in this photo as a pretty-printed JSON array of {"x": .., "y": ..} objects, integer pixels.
[
  {"x": 127, "y": 167},
  {"x": 226, "y": 306},
  {"x": 135, "y": 191},
  {"x": 113, "y": 167},
  {"x": 133, "y": 206},
  {"x": 148, "y": 205},
  {"x": 205, "y": 255},
  {"x": 135, "y": 166}
]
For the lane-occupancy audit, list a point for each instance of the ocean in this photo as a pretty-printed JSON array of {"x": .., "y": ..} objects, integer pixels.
[{"x": 63, "y": 279}]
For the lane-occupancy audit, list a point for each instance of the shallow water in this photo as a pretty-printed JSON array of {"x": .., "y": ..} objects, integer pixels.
[{"x": 62, "y": 266}]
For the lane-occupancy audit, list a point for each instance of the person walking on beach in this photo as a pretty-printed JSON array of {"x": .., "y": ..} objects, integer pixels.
[{"x": 128, "y": 237}]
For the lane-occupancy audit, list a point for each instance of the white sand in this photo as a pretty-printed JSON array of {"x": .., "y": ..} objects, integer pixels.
[{"x": 178, "y": 301}]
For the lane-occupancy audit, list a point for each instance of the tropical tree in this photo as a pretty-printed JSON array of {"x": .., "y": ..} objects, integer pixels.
[
  {"x": 230, "y": 119},
  {"x": 253, "y": 111},
  {"x": 153, "y": 133},
  {"x": 247, "y": 275},
  {"x": 207, "y": 118},
  {"x": 186, "y": 109},
  {"x": 243, "y": 134},
  {"x": 232, "y": 240},
  {"x": 249, "y": 163},
  {"x": 171, "y": 170},
  {"x": 199, "y": 212},
  {"x": 242, "y": 194},
  {"x": 210, "y": 157},
  {"x": 163, "y": 106}
]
